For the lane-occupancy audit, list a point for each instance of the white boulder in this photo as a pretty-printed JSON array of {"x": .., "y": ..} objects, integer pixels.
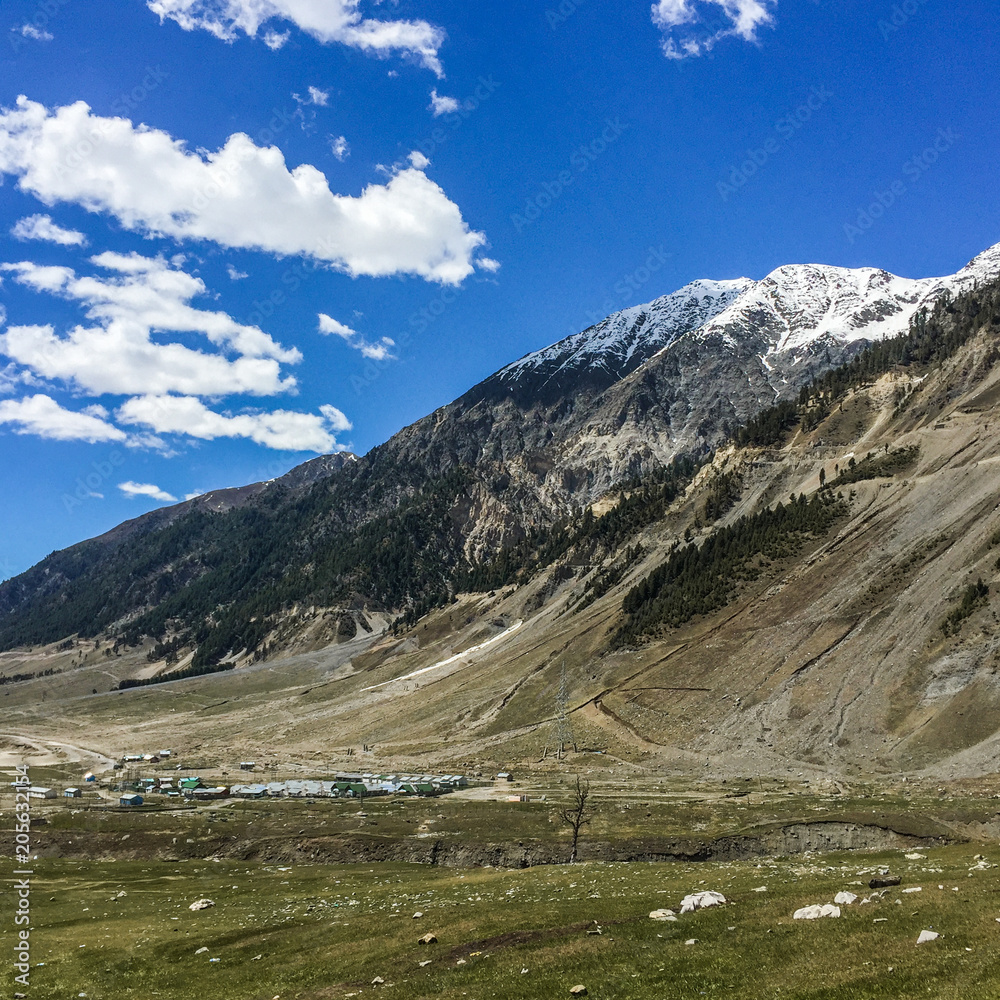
[
  {"x": 926, "y": 936},
  {"x": 816, "y": 911},
  {"x": 701, "y": 900},
  {"x": 845, "y": 898}
]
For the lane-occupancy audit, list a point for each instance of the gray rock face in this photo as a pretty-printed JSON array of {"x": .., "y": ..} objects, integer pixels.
[{"x": 562, "y": 426}]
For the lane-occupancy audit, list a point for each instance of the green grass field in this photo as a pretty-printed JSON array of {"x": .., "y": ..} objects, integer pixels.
[{"x": 124, "y": 929}]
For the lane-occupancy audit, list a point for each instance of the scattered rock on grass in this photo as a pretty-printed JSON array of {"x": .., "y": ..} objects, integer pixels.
[
  {"x": 427, "y": 939},
  {"x": 845, "y": 898},
  {"x": 701, "y": 900},
  {"x": 815, "y": 912},
  {"x": 202, "y": 904},
  {"x": 926, "y": 936},
  {"x": 578, "y": 991},
  {"x": 662, "y": 915},
  {"x": 201, "y": 951}
]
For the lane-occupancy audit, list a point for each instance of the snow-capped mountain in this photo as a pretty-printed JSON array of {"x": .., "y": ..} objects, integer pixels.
[
  {"x": 625, "y": 396},
  {"x": 608, "y": 351},
  {"x": 798, "y": 304},
  {"x": 794, "y": 310}
]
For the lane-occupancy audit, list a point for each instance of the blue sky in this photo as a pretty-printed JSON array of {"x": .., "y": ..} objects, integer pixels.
[{"x": 238, "y": 233}]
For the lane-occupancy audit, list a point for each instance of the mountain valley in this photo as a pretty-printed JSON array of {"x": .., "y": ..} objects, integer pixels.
[{"x": 757, "y": 544}]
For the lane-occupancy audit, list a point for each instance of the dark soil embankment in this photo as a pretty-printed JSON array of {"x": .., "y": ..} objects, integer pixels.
[{"x": 795, "y": 838}]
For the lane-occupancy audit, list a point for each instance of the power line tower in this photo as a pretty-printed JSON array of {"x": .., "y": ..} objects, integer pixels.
[{"x": 564, "y": 728}]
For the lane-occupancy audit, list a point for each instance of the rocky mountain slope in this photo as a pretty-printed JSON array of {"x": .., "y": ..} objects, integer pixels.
[
  {"x": 820, "y": 597},
  {"x": 417, "y": 518}
]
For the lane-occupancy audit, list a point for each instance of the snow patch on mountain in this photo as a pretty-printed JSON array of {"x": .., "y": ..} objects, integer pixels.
[
  {"x": 625, "y": 339},
  {"x": 788, "y": 311},
  {"x": 799, "y": 304}
]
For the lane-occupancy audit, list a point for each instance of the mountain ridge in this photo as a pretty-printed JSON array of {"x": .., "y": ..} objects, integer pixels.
[
  {"x": 485, "y": 472},
  {"x": 819, "y": 593}
]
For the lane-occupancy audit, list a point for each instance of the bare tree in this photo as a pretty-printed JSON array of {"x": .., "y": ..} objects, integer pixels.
[{"x": 578, "y": 813}]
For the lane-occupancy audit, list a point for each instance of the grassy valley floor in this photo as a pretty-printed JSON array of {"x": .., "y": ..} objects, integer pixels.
[{"x": 120, "y": 929}]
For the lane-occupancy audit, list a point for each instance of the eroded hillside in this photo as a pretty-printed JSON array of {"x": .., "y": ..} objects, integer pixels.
[{"x": 866, "y": 640}]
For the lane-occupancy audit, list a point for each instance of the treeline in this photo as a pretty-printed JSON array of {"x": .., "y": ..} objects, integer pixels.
[
  {"x": 608, "y": 577},
  {"x": 17, "y": 678},
  {"x": 404, "y": 558},
  {"x": 177, "y": 675},
  {"x": 220, "y": 582},
  {"x": 700, "y": 579},
  {"x": 875, "y": 466},
  {"x": 387, "y": 532}
]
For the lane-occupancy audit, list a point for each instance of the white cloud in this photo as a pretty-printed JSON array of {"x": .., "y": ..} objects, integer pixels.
[
  {"x": 131, "y": 489},
  {"x": 488, "y": 264},
  {"x": 43, "y": 416},
  {"x": 38, "y": 34},
  {"x": 235, "y": 275},
  {"x": 335, "y": 418},
  {"x": 328, "y": 21},
  {"x": 321, "y": 98},
  {"x": 195, "y": 495},
  {"x": 418, "y": 161},
  {"x": 41, "y": 227},
  {"x": 693, "y": 27},
  {"x": 118, "y": 355},
  {"x": 340, "y": 147},
  {"x": 280, "y": 429},
  {"x": 10, "y": 379},
  {"x": 142, "y": 299},
  {"x": 442, "y": 105},
  {"x": 241, "y": 196},
  {"x": 380, "y": 351},
  {"x": 275, "y": 40}
]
